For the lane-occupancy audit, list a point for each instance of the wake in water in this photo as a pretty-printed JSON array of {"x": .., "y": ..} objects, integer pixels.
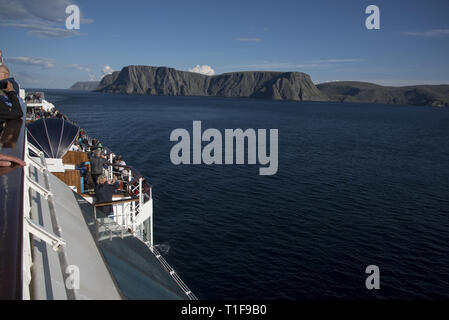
[{"x": 163, "y": 248}]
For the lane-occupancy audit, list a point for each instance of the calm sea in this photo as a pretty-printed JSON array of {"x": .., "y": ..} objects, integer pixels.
[{"x": 357, "y": 185}]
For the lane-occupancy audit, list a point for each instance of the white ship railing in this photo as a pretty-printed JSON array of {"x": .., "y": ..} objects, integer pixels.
[
  {"x": 132, "y": 214},
  {"x": 32, "y": 229}
]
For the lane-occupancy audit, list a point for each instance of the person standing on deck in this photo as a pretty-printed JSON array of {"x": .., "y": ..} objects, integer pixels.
[
  {"x": 96, "y": 145},
  {"x": 119, "y": 161},
  {"x": 104, "y": 191},
  {"x": 97, "y": 161}
]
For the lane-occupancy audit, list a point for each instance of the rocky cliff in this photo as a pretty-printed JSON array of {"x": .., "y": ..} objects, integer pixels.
[
  {"x": 353, "y": 91},
  {"x": 252, "y": 84},
  {"x": 108, "y": 80}
]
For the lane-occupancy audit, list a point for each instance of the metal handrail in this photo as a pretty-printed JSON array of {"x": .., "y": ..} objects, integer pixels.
[{"x": 110, "y": 203}]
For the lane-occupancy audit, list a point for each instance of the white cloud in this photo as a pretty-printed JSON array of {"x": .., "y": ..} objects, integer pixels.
[
  {"x": 32, "y": 61},
  {"x": 317, "y": 82},
  {"x": 430, "y": 33},
  {"x": 43, "y": 31},
  {"x": 281, "y": 66},
  {"x": 38, "y": 10},
  {"x": 107, "y": 70},
  {"x": 248, "y": 39},
  {"x": 92, "y": 71},
  {"x": 42, "y": 18},
  {"x": 337, "y": 61},
  {"x": 204, "y": 69},
  {"x": 274, "y": 65},
  {"x": 44, "y": 10}
]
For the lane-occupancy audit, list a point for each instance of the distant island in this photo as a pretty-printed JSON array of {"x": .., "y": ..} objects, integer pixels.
[
  {"x": 252, "y": 84},
  {"x": 85, "y": 85},
  {"x": 364, "y": 92},
  {"x": 294, "y": 86}
]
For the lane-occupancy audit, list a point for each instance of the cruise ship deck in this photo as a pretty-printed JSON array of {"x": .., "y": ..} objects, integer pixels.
[
  {"x": 56, "y": 243},
  {"x": 121, "y": 266}
]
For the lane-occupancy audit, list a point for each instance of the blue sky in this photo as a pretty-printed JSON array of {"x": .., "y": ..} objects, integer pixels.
[{"x": 326, "y": 39}]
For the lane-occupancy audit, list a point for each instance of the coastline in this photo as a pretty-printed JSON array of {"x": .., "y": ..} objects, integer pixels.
[
  {"x": 336, "y": 102},
  {"x": 265, "y": 85}
]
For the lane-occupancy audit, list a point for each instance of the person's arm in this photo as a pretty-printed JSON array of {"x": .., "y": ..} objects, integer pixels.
[
  {"x": 14, "y": 112},
  {"x": 106, "y": 161},
  {"x": 112, "y": 187},
  {"x": 7, "y": 161},
  {"x": 113, "y": 181}
]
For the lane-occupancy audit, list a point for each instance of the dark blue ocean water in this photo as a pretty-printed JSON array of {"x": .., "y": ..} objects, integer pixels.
[{"x": 357, "y": 185}]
